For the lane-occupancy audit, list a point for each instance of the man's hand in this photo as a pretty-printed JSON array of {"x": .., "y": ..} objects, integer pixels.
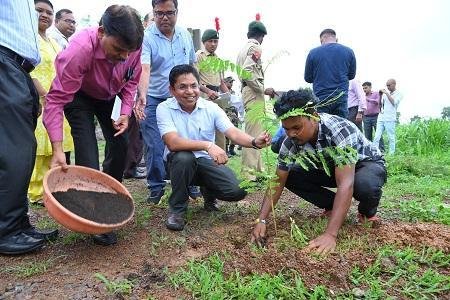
[
  {"x": 58, "y": 160},
  {"x": 218, "y": 155},
  {"x": 322, "y": 244},
  {"x": 259, "y": 235},
  {"x": 263, "y": 140},
  {"x": 383, "y": 91},
  {"x": 212, "y": 95},
  {"x": 121, "y": 124},
  {"x": 139, "y": 108},
  {"x": 270, "y": 92},
  {"x": 359, "y": 117}
]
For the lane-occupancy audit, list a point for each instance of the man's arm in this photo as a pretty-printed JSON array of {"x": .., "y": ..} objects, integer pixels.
[
  {"x": 241, "y": 138},
  {"x": 352, "y": 66},
  {"x": 270, "y": 199},
  {"x": 309, "y": 73},
  {"x": 326, "y": 242}
]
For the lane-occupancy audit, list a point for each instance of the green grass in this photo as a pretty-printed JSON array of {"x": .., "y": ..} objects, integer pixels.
[
  {"x": 206, "y": 280},
  {"x": 29, "y": 269},
  {"x": 117, "y": 287}
]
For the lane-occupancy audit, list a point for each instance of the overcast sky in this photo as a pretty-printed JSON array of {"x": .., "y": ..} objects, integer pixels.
[{"x": 405, "y": 40}]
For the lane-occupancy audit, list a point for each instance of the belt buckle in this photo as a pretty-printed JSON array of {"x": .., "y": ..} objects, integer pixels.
[{"x": 26, "y": 65}]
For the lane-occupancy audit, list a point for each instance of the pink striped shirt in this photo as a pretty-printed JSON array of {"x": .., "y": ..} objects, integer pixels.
[{"x": 83, "y": 66}]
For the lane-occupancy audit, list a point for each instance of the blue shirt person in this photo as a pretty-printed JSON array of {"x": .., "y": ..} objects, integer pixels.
[
  {"x": 329, "y": 68},
  {"x": 165, "y": 46}
]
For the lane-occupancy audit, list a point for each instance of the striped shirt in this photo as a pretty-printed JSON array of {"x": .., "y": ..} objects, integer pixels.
[
  {"x": 19, "y": 28},
  {"x": 334, "y": 131}
]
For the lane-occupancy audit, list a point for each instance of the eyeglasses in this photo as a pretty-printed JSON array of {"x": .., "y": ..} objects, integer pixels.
[
  {"x": 70, "y": 22},
  {"x": 161, "y": 14}
]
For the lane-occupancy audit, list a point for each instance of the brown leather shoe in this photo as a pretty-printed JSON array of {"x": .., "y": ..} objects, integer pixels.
[{"x": 175, "y": 221}]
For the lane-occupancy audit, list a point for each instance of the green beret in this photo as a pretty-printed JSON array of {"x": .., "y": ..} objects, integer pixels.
[
  {"x": 257, "y": 27},
  {"x": 210, "y": 34}
]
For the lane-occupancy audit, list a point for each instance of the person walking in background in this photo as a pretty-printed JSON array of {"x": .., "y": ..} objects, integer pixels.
[
  {"x": 211, "y": 82},
  {"x": 165, "y": 46},
  {"x": 235, "y": 112},
  {"x": 19, "y": 106},
  {"x": 42, "y": 77},
  {"x": 329, "y": 68},
  {"x": 387, "y": 118},
  {"x": 371, "y": 113},
  {"x": 356, "y": 103},
  {"x": 99, "y": 64},
  {"x": 64, "y": 28},
  {"x": 135, "y": 151},
  {"x": 249, "y": 59}
]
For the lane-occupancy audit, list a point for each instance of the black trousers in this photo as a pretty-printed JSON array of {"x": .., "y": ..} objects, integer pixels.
[
  {"x": 19, "y": 103},
  {"x": 215, "y": 181},
  {"x": 367, "y": 188},
  {"x": 80, "y": 114},
  {"x": 135, "y": 149},
  {"x": 352, "y": 112}
]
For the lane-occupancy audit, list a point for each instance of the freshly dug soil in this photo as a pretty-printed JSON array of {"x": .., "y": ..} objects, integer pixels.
[{"x": 106, "y": 208}]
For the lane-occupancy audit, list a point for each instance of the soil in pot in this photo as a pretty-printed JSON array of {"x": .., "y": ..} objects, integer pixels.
[{"x": 106, "y": 208}]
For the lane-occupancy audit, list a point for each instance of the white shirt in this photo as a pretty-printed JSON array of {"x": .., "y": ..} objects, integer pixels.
[
  {"x": 60, "y": 38},
  {"x": 389, "y": 110}
]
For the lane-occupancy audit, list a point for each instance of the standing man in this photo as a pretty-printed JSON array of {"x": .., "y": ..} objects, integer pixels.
[
  {"x": 19, "y": 105},
  {"x": 329, "y": 68},
  {"x": 371, "y": 113},
  {"x": 360, "y": 173},
  {"x": 211, "y": 83},
  {"x": 100, "y": 63},
  {"x": 65, "y": 26},
  {"x": 356, "y": 103},
  {"x": 187, "y": 124},
  {"x": 253, "y": 91},
  {"x": 165, "y": 46},
  {"x": 387, "y": 118}
]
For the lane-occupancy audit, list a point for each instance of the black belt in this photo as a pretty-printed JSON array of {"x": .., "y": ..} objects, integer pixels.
[
  {"x": 213, "y": 87},
  {"x": 24, "y": 63}
]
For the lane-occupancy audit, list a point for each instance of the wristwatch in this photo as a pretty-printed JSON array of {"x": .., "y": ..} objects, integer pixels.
[
  {"x": 258, "y": 220},
  {"x": 254, "y": 144}
]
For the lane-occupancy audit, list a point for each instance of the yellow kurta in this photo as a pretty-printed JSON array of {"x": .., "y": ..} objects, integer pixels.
[{"x": 44, "y": 73}]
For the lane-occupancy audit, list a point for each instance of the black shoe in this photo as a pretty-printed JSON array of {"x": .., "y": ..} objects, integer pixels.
[
  {"x": 155, "y": 197},
  {"x": 211, "y": 205},
  {"x": 194, "y": 192},
  {"x": 175, "y": 222},
  {"x": 48, "y": 235},
  {"x": 105, "y": 239},
  {"x": 231, "y": 151},
  {"x": 20, "y": 243},
  {"x": 138, "y": 173}
]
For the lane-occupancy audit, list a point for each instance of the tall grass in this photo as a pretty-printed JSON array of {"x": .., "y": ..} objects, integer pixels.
[{"x": 424, "y": 137}]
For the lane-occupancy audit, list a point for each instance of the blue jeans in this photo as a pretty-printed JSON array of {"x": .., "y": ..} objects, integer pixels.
[
  {"x": 389, "y": 127},
  {"x": 370, "y": 125},
  {"x": 154, "y": 145},
  {"x": 338, "y": 107}
]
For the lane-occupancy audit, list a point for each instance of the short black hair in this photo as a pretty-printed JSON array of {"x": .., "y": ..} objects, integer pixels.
[
  {"x": 146, "y": 17},
  {"x": 60, "y": 12},
  {"x": 296, "y": 99},
  {"x": 123, "y": 22},
  {"x": 44, "y": 1},
  {"x": 328, "y": 31},
  {"x": 156, "y": 2},
  {"x": 367, "y": 83},
  {"x": 179, "y": 70},
  {"x": 255, "y": 35}
]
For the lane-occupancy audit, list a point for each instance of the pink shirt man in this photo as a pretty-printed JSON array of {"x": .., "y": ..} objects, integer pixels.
[{"x": 83, "y": 66}]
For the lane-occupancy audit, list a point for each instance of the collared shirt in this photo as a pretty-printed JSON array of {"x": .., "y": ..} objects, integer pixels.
[
  {"x": 200, "y": 124},
  {"x": 388, "y": 110},
  {"x": 373, "y": 104},
  {"x": 83, "y": 66},
  {"x": 163, "y": 54},
  {"x": 57, "y": 35},
  {"x": 207, "y": 77},
  {"x": 249, "y": 59},
  {"x": 334, "y": 131},
  {"x": 356, "y": 95},
  {"x": 329, "y": 67},
  {"x": 19, "y": 29}
]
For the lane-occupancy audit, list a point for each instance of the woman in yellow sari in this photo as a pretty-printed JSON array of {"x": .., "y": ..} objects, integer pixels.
[{"x": 42, "y": 77}]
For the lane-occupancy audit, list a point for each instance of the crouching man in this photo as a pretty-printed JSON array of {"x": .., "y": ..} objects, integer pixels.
[
  {"x": 187, "y": 124},
  {"x": 334, "y": 144}
]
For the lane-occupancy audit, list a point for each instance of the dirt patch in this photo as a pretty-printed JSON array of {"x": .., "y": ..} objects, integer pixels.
[
  {"x": 147, "y": 253},
  {"x": 106, "y": 208}
]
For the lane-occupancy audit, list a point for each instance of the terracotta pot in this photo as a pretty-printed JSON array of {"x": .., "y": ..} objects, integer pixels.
[{"x": 84, "y": 179}]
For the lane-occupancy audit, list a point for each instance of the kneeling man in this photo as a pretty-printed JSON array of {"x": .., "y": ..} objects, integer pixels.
[
  {"x": 187, "y": 124},
  {"x": 317, "y": 143}
]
